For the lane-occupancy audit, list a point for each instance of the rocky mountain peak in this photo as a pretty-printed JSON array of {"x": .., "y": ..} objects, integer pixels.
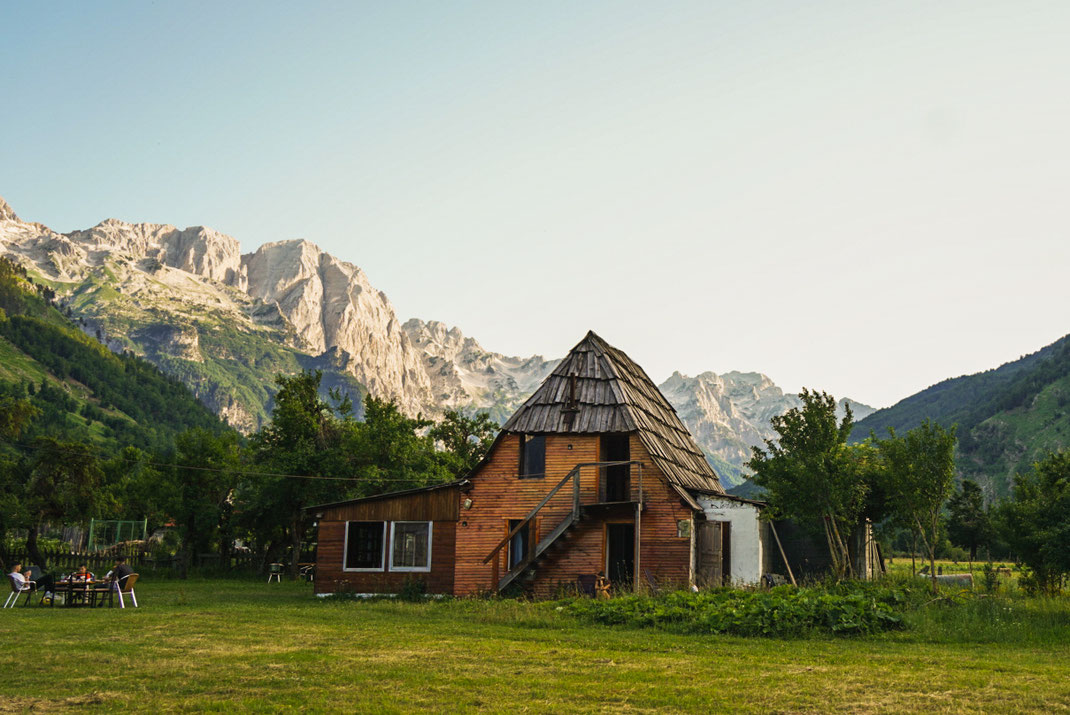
[{"x": 6, "y": 212}]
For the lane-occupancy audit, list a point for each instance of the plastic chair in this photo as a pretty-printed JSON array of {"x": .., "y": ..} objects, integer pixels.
[
  {"x": 275, "y": 572},
  {"x": 127, "y": 586},
  {"x": 17, "y": 589}
]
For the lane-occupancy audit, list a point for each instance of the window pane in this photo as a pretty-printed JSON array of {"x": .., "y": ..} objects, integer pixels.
[
  {"x": 364, "y": 545},
  {"x": 410, "y": 545},
  {"x": 534, "y": 462}
]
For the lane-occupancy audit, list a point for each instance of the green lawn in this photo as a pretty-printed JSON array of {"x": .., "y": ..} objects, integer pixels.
[{"x": 234, "y": 645}]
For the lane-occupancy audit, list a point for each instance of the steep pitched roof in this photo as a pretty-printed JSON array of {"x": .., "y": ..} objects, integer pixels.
[{"x": 610, "y": 393}]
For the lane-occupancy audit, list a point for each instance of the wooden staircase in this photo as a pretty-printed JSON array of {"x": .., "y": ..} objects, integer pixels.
[{"x": 560, "y": 534}]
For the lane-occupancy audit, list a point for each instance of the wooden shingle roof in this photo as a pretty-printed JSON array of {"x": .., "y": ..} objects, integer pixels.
[{"x": 596, "y": 389}]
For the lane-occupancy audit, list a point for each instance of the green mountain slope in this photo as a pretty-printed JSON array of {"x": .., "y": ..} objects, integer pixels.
[
  {"x": 85, "y": 391},
  {"x": 224, "y": 356},
  {"x": 1007, "y": 417}
]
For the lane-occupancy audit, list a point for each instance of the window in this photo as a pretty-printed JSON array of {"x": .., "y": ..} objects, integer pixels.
[
  {"x": 410, "y": 546},
  {"x": 364, "y": 545},
  {"x": 532, "y": 455}
]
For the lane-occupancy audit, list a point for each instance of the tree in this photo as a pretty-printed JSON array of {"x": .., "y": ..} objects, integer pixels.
[
  {"x": 305, "y": 438},
  {"x": 812, "y": 476},
  {"x": 16, "y": 415},
  {"x": 921, "y": 473},
  {"x": 1036, "y": 521},
  {"x": 203, "y": 477},
  {"x": 968, "y": 523},
  {"x": 62, "y": 481},
  {"x": 465, "y": 439}
]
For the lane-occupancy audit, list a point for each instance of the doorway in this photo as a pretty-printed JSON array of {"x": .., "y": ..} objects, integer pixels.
[
  {"x": 616, "y": 486},
  {"x": 519, "y": 544},
  {"x": 620, "y": 553}
]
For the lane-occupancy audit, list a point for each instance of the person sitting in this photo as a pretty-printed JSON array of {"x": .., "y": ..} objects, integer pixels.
[
  {"x": 81, "y": 578},
  {"x": 82, "y": 574},
  {"x": 119, "y": 572},
  {"x": 17, "y": 576},
  {"x": 45, "y": 581},
  {"x": 19, "y": 582}
]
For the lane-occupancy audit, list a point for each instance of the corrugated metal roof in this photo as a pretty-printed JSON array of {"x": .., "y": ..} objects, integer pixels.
[{"x": 613, "y": 394}]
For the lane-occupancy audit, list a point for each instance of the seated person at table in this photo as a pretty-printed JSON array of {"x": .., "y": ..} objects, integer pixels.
[
  {"x": 45, "y": 581},
  {"x": 119, "y": 572},
  {"x": 82, "y": 574},
  {"x": 20, "y": 578},
  {"x": 80, "y": 577}
]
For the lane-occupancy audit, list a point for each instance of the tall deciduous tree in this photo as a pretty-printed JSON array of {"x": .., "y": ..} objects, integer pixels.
[
  {"x": 968, "y": 523},
  {"x": 204, "y": 475},
  {"x": 63, "y": 481},
  {"x": 811, "y": 475},
  {"x": 1035, "y": 523},
  {"x": 921, "y": 473},
  {"x": 465, "y": 439},
  {"x": 303, "y": 439}
]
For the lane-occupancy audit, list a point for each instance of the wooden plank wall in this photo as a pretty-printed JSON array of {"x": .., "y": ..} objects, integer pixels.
[
  {"x": 439, "y": 506},
  {"x": 431, "y": 505},
  {"x": 498, "y": 495}
]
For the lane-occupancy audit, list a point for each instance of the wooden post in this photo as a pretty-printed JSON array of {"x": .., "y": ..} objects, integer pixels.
[
  {"x": 638, "y": 530},
  {"x": 772, "y": 528}
]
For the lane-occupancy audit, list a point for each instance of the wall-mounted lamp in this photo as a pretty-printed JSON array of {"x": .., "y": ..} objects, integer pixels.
[{"x": 467, "y": 503}]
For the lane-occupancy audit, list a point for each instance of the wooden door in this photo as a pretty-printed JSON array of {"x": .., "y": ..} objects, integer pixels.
[{"x": 709, "y": 566}]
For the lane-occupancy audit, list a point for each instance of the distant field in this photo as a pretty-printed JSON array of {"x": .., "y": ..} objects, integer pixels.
[{"x": 234, "y": 645}]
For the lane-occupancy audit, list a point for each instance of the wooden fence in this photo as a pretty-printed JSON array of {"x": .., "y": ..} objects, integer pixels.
[{"x": 65, "y": 561}]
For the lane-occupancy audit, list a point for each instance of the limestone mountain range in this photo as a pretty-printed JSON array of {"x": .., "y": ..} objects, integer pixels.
[{"x": 225, "y": 323}]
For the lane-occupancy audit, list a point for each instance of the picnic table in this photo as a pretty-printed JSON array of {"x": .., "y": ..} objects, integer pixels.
[{"x": 82, "y": 592}]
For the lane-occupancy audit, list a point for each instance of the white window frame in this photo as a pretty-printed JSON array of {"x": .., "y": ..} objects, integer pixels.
[
  {"x": 382, "y": 552},
  {"x": 411, "y": 569}
]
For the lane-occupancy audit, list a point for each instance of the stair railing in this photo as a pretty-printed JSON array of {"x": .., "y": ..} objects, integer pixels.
[{"x": 574, "y": 475}]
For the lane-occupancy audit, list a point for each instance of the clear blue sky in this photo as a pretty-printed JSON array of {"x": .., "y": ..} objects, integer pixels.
[{"x": 854, "y": 196}]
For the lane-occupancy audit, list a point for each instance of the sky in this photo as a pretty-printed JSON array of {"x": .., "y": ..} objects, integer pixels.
[{"x": 860, "y": 197}]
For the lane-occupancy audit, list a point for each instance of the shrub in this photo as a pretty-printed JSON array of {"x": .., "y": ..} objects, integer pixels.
[{"x": 785, "y": 611}]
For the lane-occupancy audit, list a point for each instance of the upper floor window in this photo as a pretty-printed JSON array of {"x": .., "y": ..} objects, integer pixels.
[{"x": 532, "y": 455}]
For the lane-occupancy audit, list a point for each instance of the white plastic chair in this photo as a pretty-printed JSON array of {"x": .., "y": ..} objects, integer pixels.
[{"x": 17, "y": 589}]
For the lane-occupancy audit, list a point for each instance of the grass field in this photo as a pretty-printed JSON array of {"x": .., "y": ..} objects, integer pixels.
[{"x": 239, "y": 645}]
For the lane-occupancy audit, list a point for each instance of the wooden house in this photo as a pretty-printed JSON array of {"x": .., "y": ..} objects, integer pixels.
[{"x": 594, "y": 474}]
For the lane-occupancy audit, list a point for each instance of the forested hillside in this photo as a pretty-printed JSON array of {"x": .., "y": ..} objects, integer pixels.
[
  {"x": 84, "y": 391},
  {"x": 1008, "y": 417}
]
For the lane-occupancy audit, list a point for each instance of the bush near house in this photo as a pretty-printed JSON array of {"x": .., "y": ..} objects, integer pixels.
[{"x": 785, "y": 611}]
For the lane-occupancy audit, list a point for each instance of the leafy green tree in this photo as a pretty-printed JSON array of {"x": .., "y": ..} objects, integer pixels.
[
  {"x": 137, "y": 488},
  {"x": 62, "y": 482},
  {"x": 968, "y": 523},
  {"x": 16, "y": 415},
  {"x": 305, "y": 439},
  {"x": 1035, "y": 523},
  {"x": 313, "y": 452},
  {"x": 465, "y": 439},
  {"x": 812, "y": 476},
  {"x": 921, "y": 473},
  {"x": 203, "y": 476}
]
